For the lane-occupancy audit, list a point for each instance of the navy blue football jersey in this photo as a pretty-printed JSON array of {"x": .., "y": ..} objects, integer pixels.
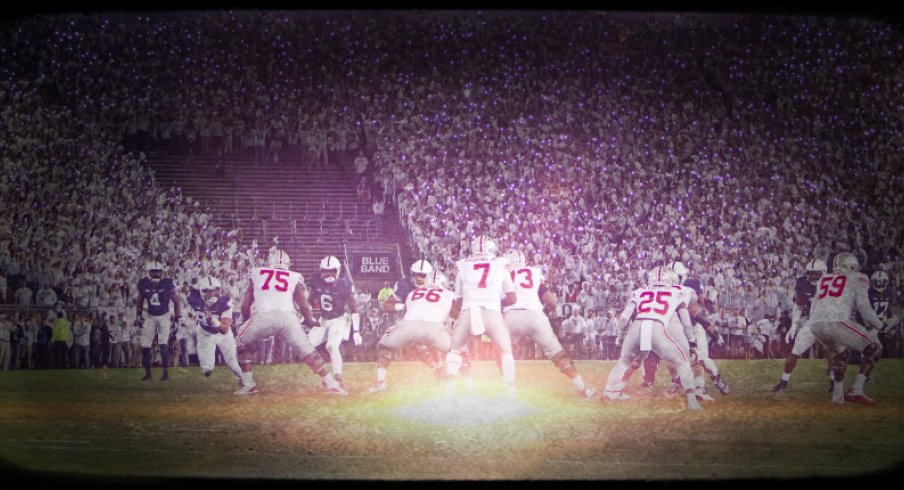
[
  {"x": 331, "y": 299},
  {"x": 804, "y": 289},
  {"x": 197, "y": 303},
  {"x": 402, "y": 288},
  {"x": 157, "y": 297},
  {"x": 880, "y": 300}
]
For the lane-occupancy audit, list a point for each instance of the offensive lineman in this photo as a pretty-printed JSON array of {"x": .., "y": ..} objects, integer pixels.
[
  {"x": 653, "y": 307},
  {"x": 427, "y": 307},
  {"x": 420, "y": 270},
  {"x": 158, "y": 292},
  {"x": 838, "y": 295},
  {"x": 483, "y": 287},
  {"x": 335, "y": 297},
  {"x": 269, "y": 307},
  {"x": 214, "y": 315},
  {"x": 525, "y": 318}
]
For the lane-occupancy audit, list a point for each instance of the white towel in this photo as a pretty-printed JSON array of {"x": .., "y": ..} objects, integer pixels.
[
  {"x": 646, "y": 335},
  {"x": 477, "y": 327}
]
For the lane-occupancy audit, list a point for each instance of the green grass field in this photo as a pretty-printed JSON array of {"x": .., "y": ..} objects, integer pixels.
[{"x": 106, "y": 424}]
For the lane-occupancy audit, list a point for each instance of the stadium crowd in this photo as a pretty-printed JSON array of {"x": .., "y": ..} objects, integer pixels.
[{"x": 600, "y": 144}]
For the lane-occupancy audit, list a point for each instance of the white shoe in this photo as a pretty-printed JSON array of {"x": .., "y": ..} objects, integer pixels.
[
  {"x": 693, "y": 404},
  {"x": 247, "y": 390},
  {"x": 588, "y": 392},
  {"x": 510, "y": 392},
  {"x": 335, "y": 389},
  {"x": 703, "y": 396},
  {"x": 615, "y": 395},
  {"x": 451, "y": 389},
  {"x": 377, "y": 388}
]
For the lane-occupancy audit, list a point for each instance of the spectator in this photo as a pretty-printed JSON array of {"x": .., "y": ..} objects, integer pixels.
[
  {"x": 43, "y": 355},
  {"x": 46, "y": 296},
  {"x": 24, "y": 298},
  {"x": 6, "y": 327},
  {"x": 62, "y": 334}
]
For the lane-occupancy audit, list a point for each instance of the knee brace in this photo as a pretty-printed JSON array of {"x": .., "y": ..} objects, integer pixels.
[
  {"x": 384, "y": 357},
  {"x": 564, "y": 363},
  {"x": 871, "y": 354},
  {"x": 839, "y": 364},
  {"x": 244, "y": 355},
  {"x": 315, "y": 362}
]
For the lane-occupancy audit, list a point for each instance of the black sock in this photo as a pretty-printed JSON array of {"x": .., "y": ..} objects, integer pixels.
[
  {"x": 146, "y": 358},
  {"x": 164, "y": 356}
]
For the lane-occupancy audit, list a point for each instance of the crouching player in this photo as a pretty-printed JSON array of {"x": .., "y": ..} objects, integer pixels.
[{"x": 427, "y": 307}]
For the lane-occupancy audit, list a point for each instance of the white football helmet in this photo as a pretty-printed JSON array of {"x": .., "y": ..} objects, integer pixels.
[
  {"x": 210, "y": 289},
  {"x": 515, "y": 258},
  {"x": 437, "y": 279},
  {"x": 846, "y": 261},
  {"x": 879, "y": 280},
  {"x": 483, "y": 245},
  {"x": 815, "y": 269},
  {"x": 662, "y": 276},
  {"x": 330, "y": 269},
  {"x": 421, "y": 267},
  {"x": 419, "y": 271},
  {"x": 279, "y": 259},
  {"x": 679, "y": 269},
  {"x": 155, "y": 270}
]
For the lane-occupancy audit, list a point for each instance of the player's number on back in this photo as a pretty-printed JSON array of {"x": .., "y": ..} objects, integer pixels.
[
  {"x": 659, "y": 297},
  {"x": 281, "y": 283},
  {"x": 485, "y": 267},
  {"x": 528, "y": 278},
  {"x": 835, "y": 289},
  {"x": 431, "y": 295}
]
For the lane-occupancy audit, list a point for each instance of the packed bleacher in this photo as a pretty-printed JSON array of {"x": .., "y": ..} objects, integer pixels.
[{"x": 600, "y": 144}]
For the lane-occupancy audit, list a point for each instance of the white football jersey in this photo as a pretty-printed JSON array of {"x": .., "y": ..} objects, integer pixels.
[
  {"x": 428, "y": 304},
  {"x": 837, "y": 294},
  {"x": 481, "y": 281},
  {"x": 657, "y": 303},
  {"x": 527, "y": 281},
  {"x": 274, "y": 289}
]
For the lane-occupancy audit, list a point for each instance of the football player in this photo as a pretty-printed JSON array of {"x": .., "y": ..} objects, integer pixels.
[
  {"x": 269, "y": 309},
  {"x": 526, "y": 318},
  {"x": 483, "y": 287},
  {"x": 427, "y": 307},
  {"x": 213, "y": 310},
  {"x": 880, "y": 297},
  {"x": 799, "y": 334},
  {"x": 157, "y": 291},
  {"x": 697, "y": 341},
  {"x": 334, "y": 296},
  {"x": 420, "y": 269},
  {"x": 652, "y": 308},
  {"x": 838, "y": 295}
]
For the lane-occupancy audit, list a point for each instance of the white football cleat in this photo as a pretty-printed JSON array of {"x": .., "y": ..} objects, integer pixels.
[
  {"x": 693, "y": 404},
  {"x": 615, "y": 395},
  {"x": 247, "y": 390},
  {"x": 510, "y": 392},
  {"x": 588, "y": 392},
  {"x": 377, "y": 388},
  {"x": 703, "y": 396},
  {"x": 335, "y": 389}
]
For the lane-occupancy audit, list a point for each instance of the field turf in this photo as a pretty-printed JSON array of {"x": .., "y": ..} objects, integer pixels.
[{"x": 105, "y": 425}]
